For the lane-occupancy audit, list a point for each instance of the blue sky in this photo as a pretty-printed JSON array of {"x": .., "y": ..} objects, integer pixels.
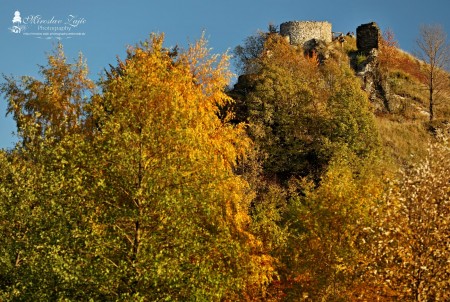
[{"x": 111, "y": 25}]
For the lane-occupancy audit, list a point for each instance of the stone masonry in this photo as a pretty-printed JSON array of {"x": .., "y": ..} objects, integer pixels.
[
  {"x": 368, "y": 37},
  {"x": 306, "y": 33}
]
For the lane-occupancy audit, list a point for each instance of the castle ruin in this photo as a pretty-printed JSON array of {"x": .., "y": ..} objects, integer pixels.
[
  {"x": 306, "y": 33},
  {"x": 368, "y": 37}
]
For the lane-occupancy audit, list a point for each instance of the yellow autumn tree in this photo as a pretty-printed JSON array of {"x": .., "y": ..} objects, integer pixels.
[
  {"x": 172, "y": 214},
  {"x": 56, "y": 103},
  {"x": 130, "y": 194},
  {"x": 327, "y": 241}
]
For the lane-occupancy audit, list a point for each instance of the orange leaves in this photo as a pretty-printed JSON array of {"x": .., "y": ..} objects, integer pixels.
[
  {"x": 388, "y": 49},
  {"x": 168, "y": 153},
  {"x": 278, "y": 52},
  {"x": 392, "y": 58},
  {"x": 313, "y": 58}
]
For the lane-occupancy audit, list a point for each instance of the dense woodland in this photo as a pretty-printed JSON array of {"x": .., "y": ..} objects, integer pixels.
[{"x": 159, "y": 183}]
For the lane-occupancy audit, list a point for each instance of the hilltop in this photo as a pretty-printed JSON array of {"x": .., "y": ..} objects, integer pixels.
[
  {"x": 393, "y": 79},
  {"x": 319, "y": 177}
]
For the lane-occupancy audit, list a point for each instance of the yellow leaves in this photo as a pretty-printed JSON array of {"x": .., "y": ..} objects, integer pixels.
[
  {"x": 60, "y": 98},
  {"x": 144, "y": 197},
  {"x": 168, "y": 154},
  {"x": 263, "y": 272},
  {"x": 332, "y": 223},
  {"x": 210, "y": 72},
  {"x": 412, "y": 223}
]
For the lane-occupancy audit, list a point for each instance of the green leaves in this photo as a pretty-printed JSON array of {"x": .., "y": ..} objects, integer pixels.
[
  {"x": 300, "y": 112},
  {"x": 130, "y": 194},
  {"x": 139, "y": 191},
  {"x": 316, "y": 141}
]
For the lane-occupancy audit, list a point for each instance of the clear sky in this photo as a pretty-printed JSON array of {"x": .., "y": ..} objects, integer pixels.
[{"x": 110, "y": 25}]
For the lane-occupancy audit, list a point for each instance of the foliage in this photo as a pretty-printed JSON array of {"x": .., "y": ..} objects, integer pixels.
[
  {"x": 46, "y": 188},
  {"x": 418, "y": 82},
  {"x": 388, "y": 50},
  {"x": 410, "y": 245},
  {"x": 312, "y": 121},
  {"x": 299, "y": 112},
  {"x": 393, "y": 59},
  {"x": 58, "y": 102},
  {"x": 246, "y": 55},
  {"x": 179, "y": 212},
  {"x": 326, "y": 247},
  {"x": 139, "y": 199},
  {"x": 349, "y": 46},
  {"x": 266, "y": 211},
  {"x": 158, "y": 186},
  {"x": 360, "y": 59}
]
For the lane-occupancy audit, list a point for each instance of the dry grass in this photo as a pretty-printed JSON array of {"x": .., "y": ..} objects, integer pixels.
[
  {"x": 394, "y": 59},
  {"x": 408, "y": 97},
  {"x": 403, "y": 141}
]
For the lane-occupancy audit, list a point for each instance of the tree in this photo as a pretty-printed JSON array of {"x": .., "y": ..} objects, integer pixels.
[
  {"x": 309, "y": 121},
  {"x": 57, "y": 103},
  {"x": 47, "y": 188},
  {"x": 435, "y": 52},
  {"x": 388, "y": 49},
  {"x": 300, "y": 111},
  {"x": 410, "y": 245},
  {"x": 174, "y": 220},
  {"x": 246, "y": 55},
  {"x": 146, "y": 205},
  {"x": 326, "y": 231}
]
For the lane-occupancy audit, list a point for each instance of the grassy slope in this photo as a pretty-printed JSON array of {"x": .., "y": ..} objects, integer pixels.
[{"x": 405, "y": 131}]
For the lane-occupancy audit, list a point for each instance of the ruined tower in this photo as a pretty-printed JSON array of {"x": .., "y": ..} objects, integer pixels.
[
  {"x": 306, "y": 33},
  {"x": 368, "y": 37}
]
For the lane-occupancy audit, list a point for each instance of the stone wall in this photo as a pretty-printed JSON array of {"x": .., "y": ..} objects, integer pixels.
[
  {"x": 368, "y": 37},
  {"x": 304, "y": 33}
]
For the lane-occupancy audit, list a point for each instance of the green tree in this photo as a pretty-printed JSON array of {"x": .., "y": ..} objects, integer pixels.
[
  {"x": 299, "y": 111},
  {"x": 47, "y": 206},
  {"x": 47, "y": 187},
  {"x": 316, "y": 141}
]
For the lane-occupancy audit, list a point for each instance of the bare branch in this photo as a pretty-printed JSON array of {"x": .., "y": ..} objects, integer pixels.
[{"x": 434, "y": 51}]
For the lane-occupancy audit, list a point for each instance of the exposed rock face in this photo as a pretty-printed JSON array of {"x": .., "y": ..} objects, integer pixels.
[
  {"x": 373, "y": 81},
  {"x": 368, "y": 72},
  {"x": 306, "y": 33},
  {"x": 368, "y": 37}
]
